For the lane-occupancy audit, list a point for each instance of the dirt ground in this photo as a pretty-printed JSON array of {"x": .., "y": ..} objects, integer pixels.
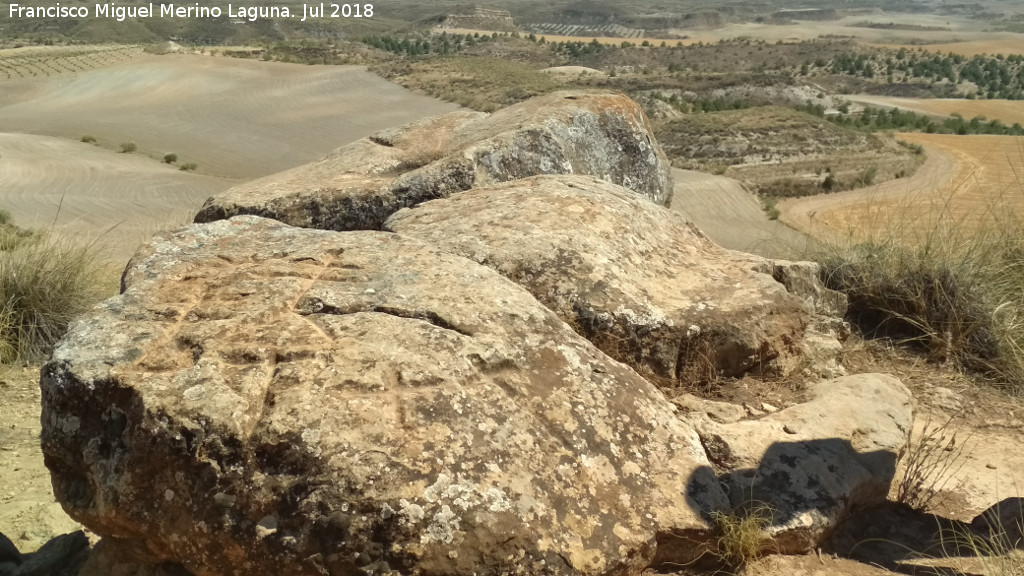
[
  {"x": 732, "y": 216},
  {"x": 237, "y": 119},
  {"x": 88, "y": 193},
  {"x": 29, "y": 515}
]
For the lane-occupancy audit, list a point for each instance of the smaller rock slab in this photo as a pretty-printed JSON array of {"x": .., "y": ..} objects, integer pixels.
[{"x": 814, "y": 462}]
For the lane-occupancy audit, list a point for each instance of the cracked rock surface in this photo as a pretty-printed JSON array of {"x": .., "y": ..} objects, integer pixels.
[
  {"x": 639, "y": 280},
  {"x": 263, "y": 396},
  {"x": 356, "y": 187}
]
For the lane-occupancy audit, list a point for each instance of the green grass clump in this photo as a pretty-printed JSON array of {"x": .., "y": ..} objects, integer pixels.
[
  {"x": 170, "y": 158},
  {"x": 44, "y": 284},
  {"x": 128, "y": 147},
  {"x": 188, "y": 166},
  {"x": 89, "y": 139}
]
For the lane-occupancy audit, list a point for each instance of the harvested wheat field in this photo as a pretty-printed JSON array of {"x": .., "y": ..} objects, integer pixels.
[
  {"x": 1006, "y": 111},
  {"x": 973, "y": 180},
  {"x": 83, "y": 191},
  {"x": 731, "y": 215},
  {"x": 994, "y": 43},
  {"x": 234, "y": 118}
]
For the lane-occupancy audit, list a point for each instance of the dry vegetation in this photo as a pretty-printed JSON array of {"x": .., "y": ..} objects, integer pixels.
[
  {"x": 780, "y": 152},
  {"x": 480, "y": 83},
  {"x": 978, "y": 177},
  {"x": 940, "y": 268}
]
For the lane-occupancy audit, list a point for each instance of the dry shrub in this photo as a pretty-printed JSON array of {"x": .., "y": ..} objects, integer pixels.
[
  {"x": 951, "y": 285},
  {"x": 997, "y": 551},
  {"x": 930, "y": 460},
  {"x": 742, "y": 535},
  {"x": 43, "y": 285}
]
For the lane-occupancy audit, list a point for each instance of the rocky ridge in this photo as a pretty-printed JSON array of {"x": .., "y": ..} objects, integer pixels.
[{"x": 437, "y": 398}]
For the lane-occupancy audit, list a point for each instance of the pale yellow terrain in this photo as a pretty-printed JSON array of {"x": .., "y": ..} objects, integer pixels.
[
  {"x": 949, "y": 34},
  {"x": 972, "y": 180},
  {"x": 1006, "y": 111},
  {"x": 732, "y": 216},
  {"x": 994, "y": 43},
  {"x": 235, "y": 118},
  {"x": 85, "y": 192}
]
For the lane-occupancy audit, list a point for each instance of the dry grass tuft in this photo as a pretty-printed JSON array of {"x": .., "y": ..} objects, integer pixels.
[
  {"x": 997, "y": 551},
  {"x": 950, "y": 285},
  {"x": 44, "y": 284},
  {"x": 930, "y": 460},
  {"x": 742, "y": 535}
]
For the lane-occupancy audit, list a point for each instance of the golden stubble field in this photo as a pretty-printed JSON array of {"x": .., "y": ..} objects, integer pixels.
[
  {"x": 236, "y": 119},
  {"x": 1006, "y": 111},
  {"x": 970, "y": 181}
]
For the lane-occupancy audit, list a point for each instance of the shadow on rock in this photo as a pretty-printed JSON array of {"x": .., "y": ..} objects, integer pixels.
[
  {"x": 808, "y": 486},
  {"x": 61, "y": 556}
]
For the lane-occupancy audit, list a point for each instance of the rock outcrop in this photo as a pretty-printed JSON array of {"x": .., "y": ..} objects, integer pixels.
[
  {"x": 358, "y": 186},
  {"x": 812, "y": 463},
  {"x": 639, "y": 280},
  {"x": 263, "y": 396},
  {"x": 437, "y": 398}
]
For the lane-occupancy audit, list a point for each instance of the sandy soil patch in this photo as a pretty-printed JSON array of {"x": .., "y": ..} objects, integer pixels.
[
  {"x": 572, "y": 71},
  {"x": 965, "y": 178},
  {"x": 1006, "y": 111},
  {"x": 731, "y": 216},
  {"x": 235, "y": 118},
  {"x": 29, "y": 514}
]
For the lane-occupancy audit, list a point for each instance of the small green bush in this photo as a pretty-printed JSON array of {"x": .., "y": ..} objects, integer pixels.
[
  {"x": 769, "y": 204},
  {"x": 170, "y": 158},
  {"x": 128, "y": 147},
  {"x": 188, "y": 166},
  {"x": 89, "y": 139}
]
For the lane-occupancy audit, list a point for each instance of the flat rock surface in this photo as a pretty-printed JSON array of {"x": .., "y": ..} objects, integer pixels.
[{"x": 811, "y": 464}]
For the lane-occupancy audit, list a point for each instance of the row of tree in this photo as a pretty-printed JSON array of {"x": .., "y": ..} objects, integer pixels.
[{"x": 995, "y": 76}]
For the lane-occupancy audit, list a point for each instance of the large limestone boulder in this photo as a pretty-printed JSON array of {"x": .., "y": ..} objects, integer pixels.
[
  {"x": 811, "y": 464},
  {"x": 263, "y": 399},
  {"x": 357, "y": 187},
  {"x": 639, "y": 280}
]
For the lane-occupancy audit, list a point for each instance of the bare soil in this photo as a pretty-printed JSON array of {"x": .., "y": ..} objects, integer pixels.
[
  {"x": 235, "y": 118},
  {"x": 731, "y": 215}
]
